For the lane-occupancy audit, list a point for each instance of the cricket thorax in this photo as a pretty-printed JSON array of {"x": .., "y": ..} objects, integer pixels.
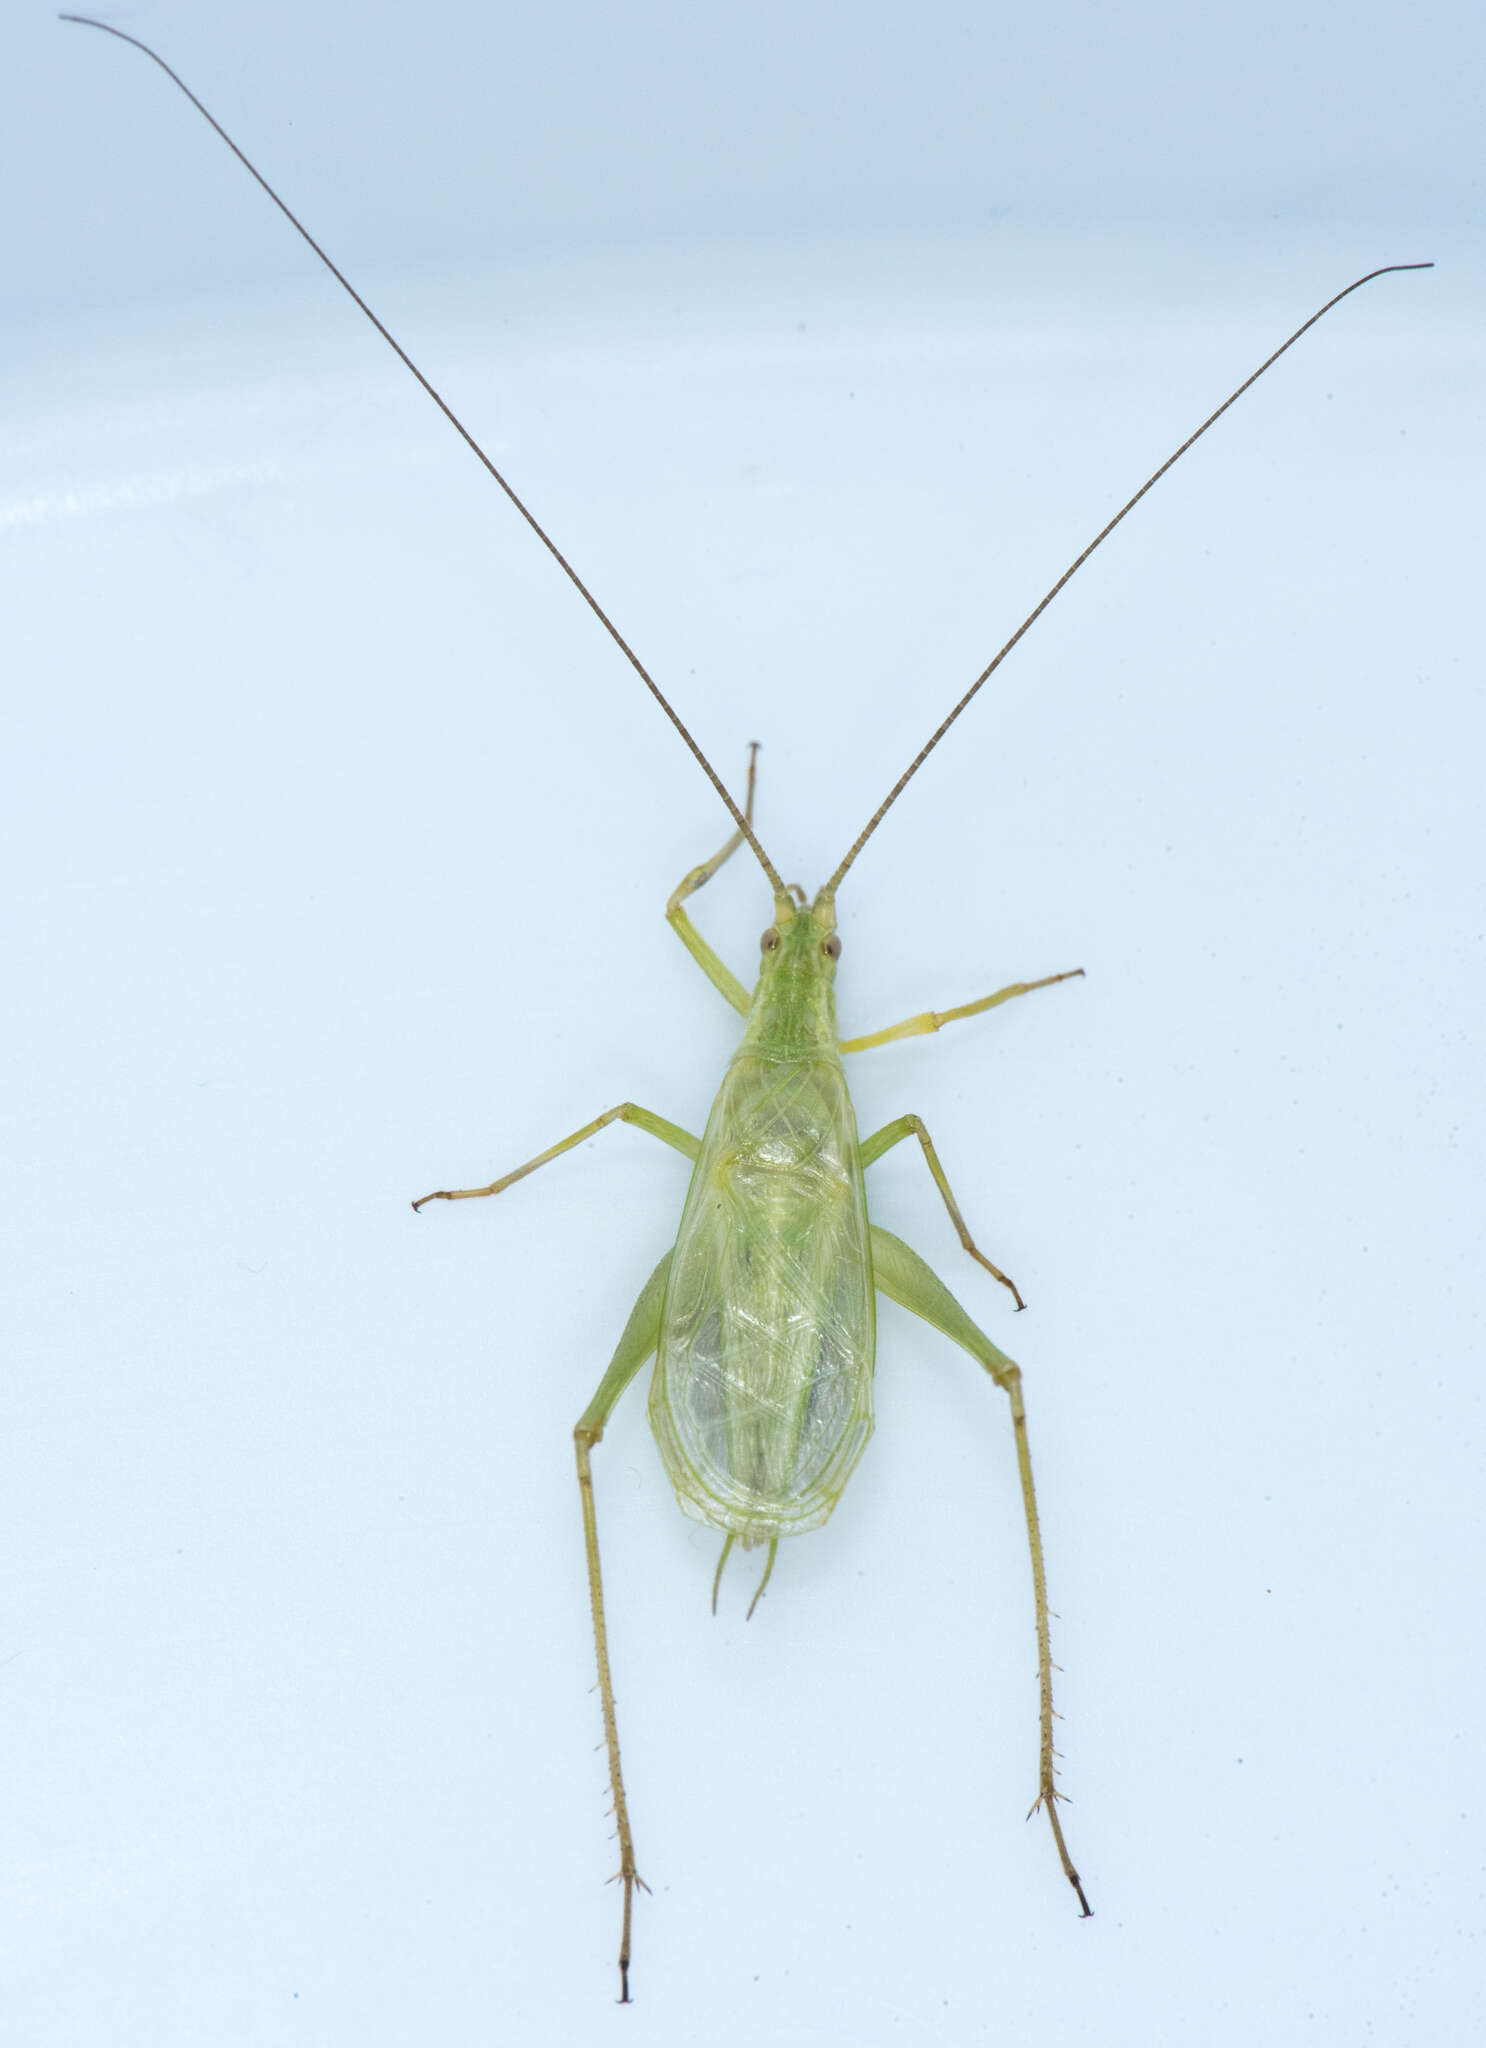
[{"x": 762, "y": 1397}]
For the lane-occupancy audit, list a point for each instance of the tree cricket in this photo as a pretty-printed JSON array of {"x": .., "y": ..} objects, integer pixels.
[{"x": 761, "y": 1317}]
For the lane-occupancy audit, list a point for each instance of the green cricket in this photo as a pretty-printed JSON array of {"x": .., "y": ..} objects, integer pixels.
[{"x": 762, "y": 1317}]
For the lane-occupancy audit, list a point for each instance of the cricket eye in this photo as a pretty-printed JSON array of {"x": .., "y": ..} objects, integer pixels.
[
  {"x": 769, "y": 943},
  {"x": 831, "y": 947}
]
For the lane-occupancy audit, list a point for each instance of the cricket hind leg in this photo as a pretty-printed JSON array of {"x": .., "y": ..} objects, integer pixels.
[
  {"x": 903, "y": 1277},
  {"x": 641, "y": 1335}
]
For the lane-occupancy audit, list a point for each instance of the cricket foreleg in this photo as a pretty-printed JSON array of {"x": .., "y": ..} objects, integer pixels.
[
  {"x": 913, "y": 1127},
  {"x": 903, "y": 1277},
  {"x": 641, "y": 1334},
  {"x": 933, "y": 1020},
  {"x": 721, "y": 977},
  {"x": 622, "y": 1113}
]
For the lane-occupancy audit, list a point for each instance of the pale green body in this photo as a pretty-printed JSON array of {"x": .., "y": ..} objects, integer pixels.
[
  {"x": 761, "y": 1318},
  {"x": 761, "y": 1401}
]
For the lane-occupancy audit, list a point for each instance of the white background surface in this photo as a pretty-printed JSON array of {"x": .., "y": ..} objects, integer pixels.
[{"x": 338, "y": 841}]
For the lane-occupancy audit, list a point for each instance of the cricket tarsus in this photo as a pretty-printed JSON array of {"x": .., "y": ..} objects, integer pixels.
[
  {"x": 1086, "y": 1911},
  {"x": 87, "y": 21},
  {"x": 1385, "y": 270}
]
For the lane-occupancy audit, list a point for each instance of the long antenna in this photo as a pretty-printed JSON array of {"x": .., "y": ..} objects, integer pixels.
[
  {"x": 87, "y": 21},
  {"x": 1074, "y": 566}
]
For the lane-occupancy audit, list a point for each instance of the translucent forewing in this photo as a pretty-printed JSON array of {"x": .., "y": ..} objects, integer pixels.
[{"x": 761, "y": 1401}]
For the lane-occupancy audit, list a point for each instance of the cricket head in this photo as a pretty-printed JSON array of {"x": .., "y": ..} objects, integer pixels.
[{"x": 794, "y": 1000}]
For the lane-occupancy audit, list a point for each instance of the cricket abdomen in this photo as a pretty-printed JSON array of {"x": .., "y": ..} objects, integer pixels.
[{"x": 761, "y": 1401}]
